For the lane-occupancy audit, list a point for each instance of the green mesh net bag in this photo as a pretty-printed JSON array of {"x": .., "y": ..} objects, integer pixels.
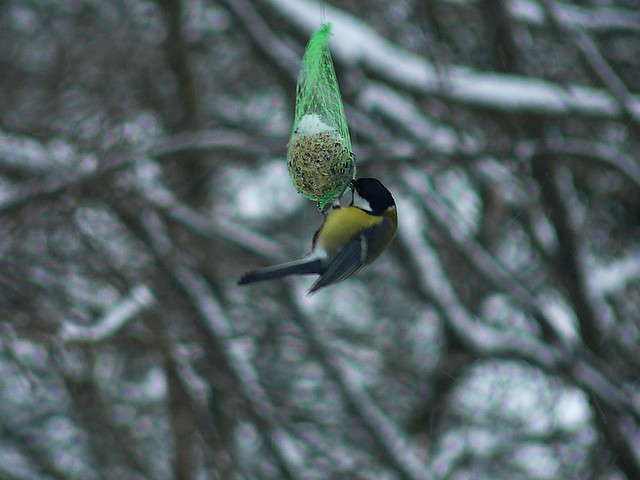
[{"x": 319, "y": 154}]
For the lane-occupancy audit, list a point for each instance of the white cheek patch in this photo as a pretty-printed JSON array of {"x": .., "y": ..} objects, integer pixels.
[{"x": 360, "y": 202}]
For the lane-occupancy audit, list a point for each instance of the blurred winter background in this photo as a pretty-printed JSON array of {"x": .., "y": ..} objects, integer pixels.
[{"x": 142, "y": 171}]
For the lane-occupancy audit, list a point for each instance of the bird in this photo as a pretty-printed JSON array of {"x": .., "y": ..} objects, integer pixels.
[{"x": 350, "y": 238}]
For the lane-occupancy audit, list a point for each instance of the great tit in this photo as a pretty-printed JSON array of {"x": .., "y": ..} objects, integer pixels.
[{"x": 350, "y": 238}]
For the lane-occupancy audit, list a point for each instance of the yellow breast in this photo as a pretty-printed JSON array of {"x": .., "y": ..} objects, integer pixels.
[{"x": 342, "y": 224}]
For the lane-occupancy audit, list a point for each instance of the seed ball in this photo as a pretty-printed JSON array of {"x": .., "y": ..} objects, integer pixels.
[{"x": 318, "y": 158}]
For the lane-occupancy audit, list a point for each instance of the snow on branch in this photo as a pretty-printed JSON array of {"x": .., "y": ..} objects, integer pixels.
[
  {"x": 23, "y": 152},
  {"x": 151, "y": 186},
  {"x": 378, "y": 97},
  {"x": 139, "y": 299},
  {"x": 355, "y": 43},
  {"x": 613, "y": 277}
]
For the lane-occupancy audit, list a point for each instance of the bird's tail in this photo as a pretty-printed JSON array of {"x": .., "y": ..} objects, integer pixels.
[{"x": 297, "y": 267}]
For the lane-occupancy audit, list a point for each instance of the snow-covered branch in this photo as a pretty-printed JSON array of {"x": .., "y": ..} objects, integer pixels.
[
  {"x": 31, "y": 153},
  {"x": 356, "y": 44},
  {"x": 163, "y": 198},
  {"x": 139, "y": 299},
  {"x": 437, "y": 287},
  {"x": 216, "y": 322}
]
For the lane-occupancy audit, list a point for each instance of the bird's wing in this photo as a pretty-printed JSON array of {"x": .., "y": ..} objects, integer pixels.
[{"x": 345, "y": 264}]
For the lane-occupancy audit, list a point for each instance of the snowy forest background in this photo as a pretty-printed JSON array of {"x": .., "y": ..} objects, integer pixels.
[{"x": 142, "y": 171}]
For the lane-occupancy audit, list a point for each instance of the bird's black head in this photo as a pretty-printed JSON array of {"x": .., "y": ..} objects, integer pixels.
[{"x": 375, "y": 193}]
